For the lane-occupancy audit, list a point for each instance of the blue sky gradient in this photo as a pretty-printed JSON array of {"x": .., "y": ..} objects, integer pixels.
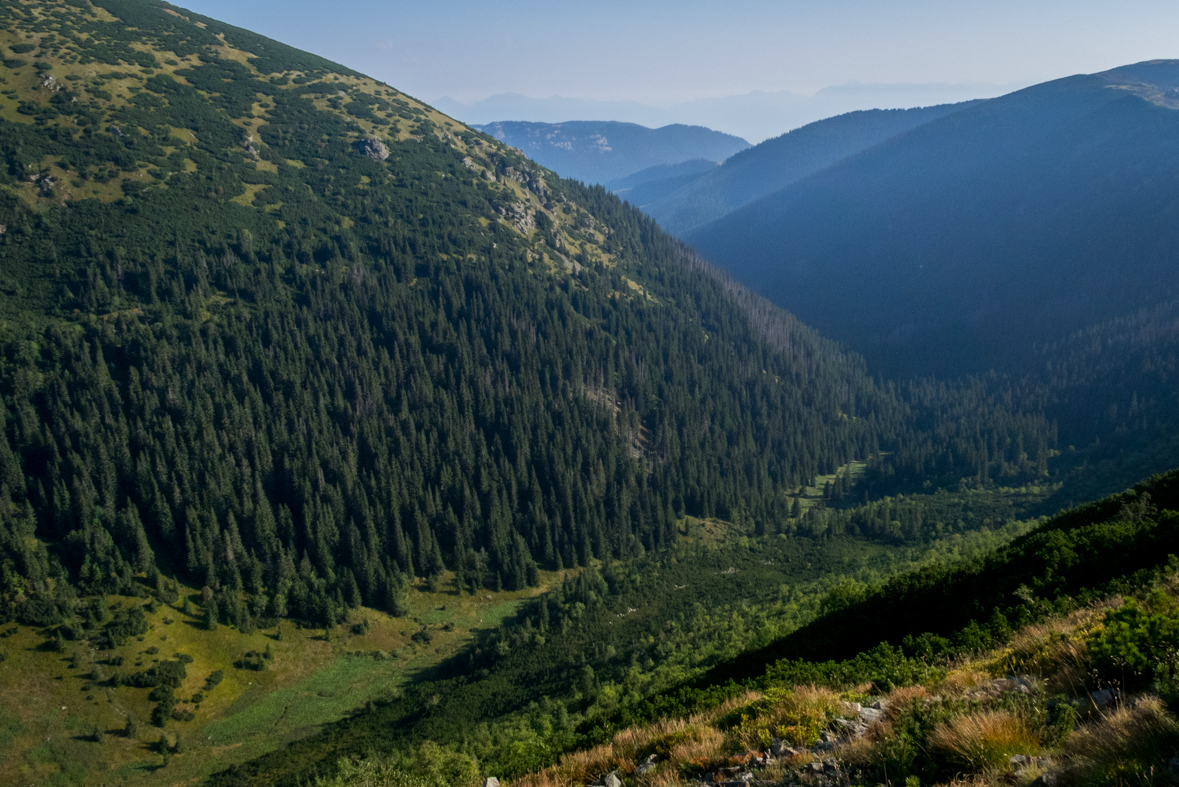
[{"x": 665, "y": 52}]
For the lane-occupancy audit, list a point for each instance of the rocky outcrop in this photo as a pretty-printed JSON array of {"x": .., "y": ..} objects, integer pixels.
[
  {"x": 248, "y": 146},
  {"x": 49, "y": 82},
  {"x": 519, "y": 216},
  {"x": 373, "y": 147}
]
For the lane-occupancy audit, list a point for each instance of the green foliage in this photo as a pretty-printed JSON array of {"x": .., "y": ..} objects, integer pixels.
[{"x": 1138, "y": 647}]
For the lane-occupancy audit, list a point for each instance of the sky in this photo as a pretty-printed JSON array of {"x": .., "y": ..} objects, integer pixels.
[{"x": 666, "y": 52}]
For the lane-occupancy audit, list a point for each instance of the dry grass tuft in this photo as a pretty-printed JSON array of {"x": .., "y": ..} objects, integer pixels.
[
  {"x": 902, "y": 698},
  {"x": 861, "y": 752},
  {"x": 983, "y": 742},
  {"x": 1129, "y": 746},
  {"x": 699, "y": 750},
  {"x": 798, "y": 716},
  {"x": 961, "y": 681}
]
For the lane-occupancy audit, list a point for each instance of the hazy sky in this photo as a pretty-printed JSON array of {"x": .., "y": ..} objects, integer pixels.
[{"x": 662, "y": 52}]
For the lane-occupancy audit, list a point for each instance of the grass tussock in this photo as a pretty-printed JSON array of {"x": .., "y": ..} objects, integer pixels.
[
  {"x": 1130, "y": 746},
  {"x": 1054, "y": 649},
  {"x": 797, "y": 716},
  {"x": 901, "y": 699},
  {"x": 982, "y": 742},
  {"x": 962, "y": 681}
]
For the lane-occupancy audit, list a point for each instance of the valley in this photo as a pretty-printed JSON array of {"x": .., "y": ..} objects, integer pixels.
[{"x": 342, "y": 443}]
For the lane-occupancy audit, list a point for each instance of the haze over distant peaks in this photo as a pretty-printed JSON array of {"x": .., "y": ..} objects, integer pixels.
[
  {"x": 956, "y": 246},
  {"x": 600, "y": 151},
  {"x": 755, "y": 116}
]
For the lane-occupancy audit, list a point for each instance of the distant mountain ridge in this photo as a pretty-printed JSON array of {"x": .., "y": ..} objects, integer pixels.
[
  {"x": 778, "y": 162},
  {"x": 650, "y": 184},
  {"x": 957, "y": 246},
  {"x": 599, "y": 151},
  {"x": 757, "y": 116}
]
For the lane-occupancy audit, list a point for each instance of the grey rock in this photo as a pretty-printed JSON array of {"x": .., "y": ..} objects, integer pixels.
[
  {"x": 1102, "y": 698},
  {"x": 248, "y": 146},
  {"x": 491, "y": 781},
  {"x": 647, "y": 764},
  {"x": 118, "y": 132},
  {"x": 871, "y": 715},
  {"x": 612, "y": 780},
  {"x": 1045, "y": 780},
  {"x": 374, "y": 148},
  {"x": 3, "y": 228}
]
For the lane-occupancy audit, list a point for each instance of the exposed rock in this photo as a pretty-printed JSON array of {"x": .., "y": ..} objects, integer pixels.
[
  {"x": 113, "y": 129},
  {"x": 50, "y": 83},
  {"x": 372, "y": 147},
  {"x": 491, "y": 781},
  {"x": 519, "y": 216},
  {"x": 779, "y": 748},
  {"x": 1102, "y": 698},
  {"x": 870, "y": 716},
  {"x": 612, "y": 780},
  {"x": 468, "y": 162},
  {"x": 248, "y": 145},
  {"x": 3, "y": 228},
  {"x": 647, "y": 764}
]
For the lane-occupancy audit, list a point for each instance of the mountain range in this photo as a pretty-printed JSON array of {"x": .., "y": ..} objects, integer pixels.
[
  {"x": 756, "y": 116},
  {"x": 778, "y": 162},
  {"x": 343, "y": 444},
  {"x": 597, "y": 152},
  {"x": 961, "y": 244}
]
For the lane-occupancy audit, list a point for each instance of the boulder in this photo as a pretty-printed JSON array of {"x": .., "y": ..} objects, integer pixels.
[
  {"x": 870, "y": 716},
  {"x": 373, "y": 147},
  {"x": 612, "y": 780},
  {"x": 491, "y": 781},
  {"x": 1102, "y": 698}
]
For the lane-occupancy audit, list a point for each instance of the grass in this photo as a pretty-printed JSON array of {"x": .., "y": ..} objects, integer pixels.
[
  {"x": 964, "y": 730},
  {"x": 984, "y": 742},
  {"x": 49, "y": 708},
  {"x": 1130, "y": 746}
]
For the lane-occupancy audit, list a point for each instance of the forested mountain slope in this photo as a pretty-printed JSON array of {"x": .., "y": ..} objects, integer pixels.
[
  {"x": 960, "y": 245},
  {"x": 778, "y": 162},
  {"x": 282, "y": 330},
  {"x": 648, "y": 185},
  {"x": 600, "y": 151}
]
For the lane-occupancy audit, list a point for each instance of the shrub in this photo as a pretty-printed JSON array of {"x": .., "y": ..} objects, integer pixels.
[
  {"x": 251, "y": 660},
  {"x": 1139, "y": 643}
]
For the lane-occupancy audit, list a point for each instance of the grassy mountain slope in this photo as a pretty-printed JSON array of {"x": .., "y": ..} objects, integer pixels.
[
  {"x": 990, "y": 657},
  {"x": 601, "y": 151},
  {"x": 778, "y": 162},
  {"x": 959, "y": 245}
]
